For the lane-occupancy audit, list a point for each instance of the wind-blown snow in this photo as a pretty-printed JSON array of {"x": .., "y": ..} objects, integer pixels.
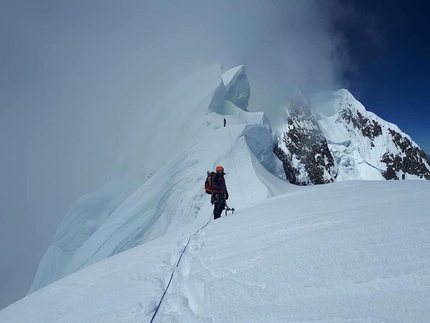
[{"x": 355, "y": 251}]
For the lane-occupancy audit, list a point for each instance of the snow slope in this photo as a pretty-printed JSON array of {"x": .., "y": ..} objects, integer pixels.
[
  {"x": 160, "y": 187},
  {"x": 353, "y": 251}
]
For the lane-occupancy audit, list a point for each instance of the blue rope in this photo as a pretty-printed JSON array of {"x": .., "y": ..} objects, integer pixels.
[{"x": 174, "y": 269}]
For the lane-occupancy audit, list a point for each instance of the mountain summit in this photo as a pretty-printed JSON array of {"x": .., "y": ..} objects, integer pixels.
[
  {"x": 302, "y": 147},
  {"x": 335, "y": 138}
]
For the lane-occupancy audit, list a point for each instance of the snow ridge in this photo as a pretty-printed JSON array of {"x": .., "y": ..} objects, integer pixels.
[{"x": 182, "y": 129}]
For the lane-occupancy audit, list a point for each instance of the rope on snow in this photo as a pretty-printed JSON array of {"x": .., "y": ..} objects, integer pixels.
[{"x": 174, "y": 269}]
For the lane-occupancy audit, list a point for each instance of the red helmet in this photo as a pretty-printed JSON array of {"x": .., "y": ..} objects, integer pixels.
[{"x": 219, "y": 169}]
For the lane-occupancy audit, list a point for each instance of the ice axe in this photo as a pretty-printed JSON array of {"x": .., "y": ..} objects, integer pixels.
[{"x": 227, "y": 208}]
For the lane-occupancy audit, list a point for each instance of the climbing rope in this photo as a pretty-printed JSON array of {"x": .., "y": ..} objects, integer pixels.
[
  {"x": 174, "y": 269},
  {"x": 234, "y": 163},
  {"x": 195, "y": 233}
]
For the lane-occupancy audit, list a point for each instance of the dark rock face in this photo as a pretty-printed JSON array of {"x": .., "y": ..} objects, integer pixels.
[
  {"x": 408, "y": 159},
  {"x": 413, "y": 162},
  {"x": 308, "y": 158},
  {"x": 369, "y": 128},
  {"x": 303, "y": 148}
]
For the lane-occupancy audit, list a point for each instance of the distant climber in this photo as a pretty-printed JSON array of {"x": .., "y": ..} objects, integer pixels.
[
  {"x": 225, "y": 122},
  {"x": 219, "y": 193}
]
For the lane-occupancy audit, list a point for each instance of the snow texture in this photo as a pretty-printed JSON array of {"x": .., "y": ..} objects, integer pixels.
[{"x": 354, "y": 251}]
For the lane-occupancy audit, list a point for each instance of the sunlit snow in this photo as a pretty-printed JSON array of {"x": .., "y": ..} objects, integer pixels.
[{"x": 344, "y": 252}]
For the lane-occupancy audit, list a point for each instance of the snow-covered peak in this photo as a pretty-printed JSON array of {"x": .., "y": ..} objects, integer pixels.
[
  {"x": 327, "y": 103},
  {"x": 364, "y": 145},
  {"x": 336, "y": 138}
]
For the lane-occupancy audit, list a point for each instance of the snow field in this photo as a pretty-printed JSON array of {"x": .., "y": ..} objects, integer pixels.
[
  {"x": 344, "y": 252},
  {"x": 286, "y": 260}
]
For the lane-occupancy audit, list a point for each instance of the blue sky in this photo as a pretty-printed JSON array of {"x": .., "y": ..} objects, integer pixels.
[
  {"x": 393, "y": 66},
  {"x": 75, "y": 76}
]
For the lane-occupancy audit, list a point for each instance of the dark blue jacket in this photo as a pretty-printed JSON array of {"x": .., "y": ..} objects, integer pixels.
[{"x": 218, "y": 183}]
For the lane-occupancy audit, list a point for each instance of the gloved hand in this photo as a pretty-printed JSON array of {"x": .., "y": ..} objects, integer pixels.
[{"x": 226, "y": 195}]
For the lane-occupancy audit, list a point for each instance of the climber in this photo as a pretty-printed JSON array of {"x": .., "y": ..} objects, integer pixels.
[{"x": 219, "y": 193}]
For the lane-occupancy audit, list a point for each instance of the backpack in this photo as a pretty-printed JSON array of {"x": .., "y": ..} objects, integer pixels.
[{"x": 208, "y": 183}]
